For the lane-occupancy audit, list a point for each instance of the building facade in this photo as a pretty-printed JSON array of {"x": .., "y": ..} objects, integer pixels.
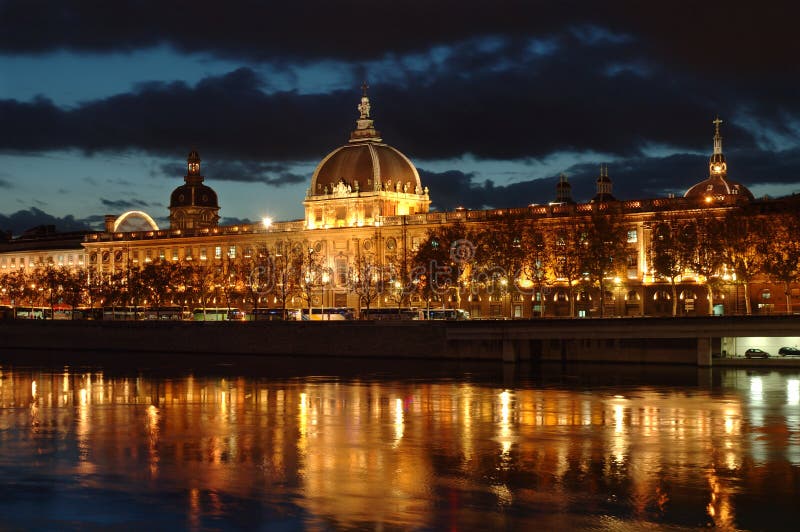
[{"x": 366, "y": 204}]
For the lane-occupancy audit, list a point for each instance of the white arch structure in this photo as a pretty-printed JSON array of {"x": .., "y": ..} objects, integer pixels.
[{"x": 139, "y": 214}]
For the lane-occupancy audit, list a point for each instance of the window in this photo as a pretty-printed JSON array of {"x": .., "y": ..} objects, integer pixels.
[
  {"x": 632, "y": 261},
  {"x": 148, "y": 257},
  {"x": 231, "y": 252},
  {"x": 187, "y": 253},
  {"x": 218, "y": 252},
  {"x": 766, "y": 294},
  {"x": 341, "y": 272},
  {"x": 135, "y": 256},
  {"x": 203, "y": 255},
  {"x": 633, "y": 236},
  {"x": 161, "y": 254},
  {"x": 174, "y": 253}
]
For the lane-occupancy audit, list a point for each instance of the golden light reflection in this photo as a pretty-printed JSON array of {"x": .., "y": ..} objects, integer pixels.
[
  {"x": 756, "y": 389},
  {"x": 153, "y": 433},
  {"x": 398, "y": 421},
  {"x": 793, "y": 392},
  {"x": 374, "y": 452},
  {"x": 505, "y": 436}
]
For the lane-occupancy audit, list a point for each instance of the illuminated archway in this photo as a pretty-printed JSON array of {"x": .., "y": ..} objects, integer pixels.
[{"x": 136, "y": 221}]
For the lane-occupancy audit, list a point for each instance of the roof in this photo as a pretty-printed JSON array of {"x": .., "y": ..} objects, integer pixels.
[{"x": 363, "y": 165}]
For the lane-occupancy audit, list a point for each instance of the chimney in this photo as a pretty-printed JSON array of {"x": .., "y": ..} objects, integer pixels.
[{"x": 109, "y": 220}]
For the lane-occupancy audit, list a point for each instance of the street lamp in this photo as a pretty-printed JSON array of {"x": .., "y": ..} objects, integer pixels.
[{"x": 267, "y": 221}]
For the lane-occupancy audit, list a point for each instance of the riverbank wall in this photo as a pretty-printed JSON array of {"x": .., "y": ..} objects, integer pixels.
[{"x": 688, "y": 341}]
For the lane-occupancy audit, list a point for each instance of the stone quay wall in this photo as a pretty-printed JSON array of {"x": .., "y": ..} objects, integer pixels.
[{"x": 689, "y": 341}]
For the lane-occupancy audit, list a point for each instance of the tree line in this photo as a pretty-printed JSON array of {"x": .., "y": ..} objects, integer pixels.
[{"x": 576, "y": 254}]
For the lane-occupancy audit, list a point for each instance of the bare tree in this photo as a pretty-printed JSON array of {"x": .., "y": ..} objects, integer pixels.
[
  {"x": 366, "y": 279},
  {"x": 443, "y": 260},
  {"x": 704, "y": 236},
  {"x": 781, "y": 251},
  {"x": 742, "y": 247},
  {"x": 671, "y": 253},
  {"x": 604, "y": 247},
  {"x": 500, "y": 254},
  {"x": 565, "y": 254}
]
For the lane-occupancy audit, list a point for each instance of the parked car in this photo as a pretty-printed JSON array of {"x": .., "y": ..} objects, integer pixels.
[
  {"x": 789, "y": 352},
  {"x": 756, "y": 353}
]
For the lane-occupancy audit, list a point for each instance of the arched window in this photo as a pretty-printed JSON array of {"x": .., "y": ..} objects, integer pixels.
[
  {"x": 662, "y": 295},
  {"x": 632, "y": 295}
]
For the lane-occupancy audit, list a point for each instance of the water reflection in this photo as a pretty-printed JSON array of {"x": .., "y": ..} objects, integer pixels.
[{"x": 325, "y": 452}]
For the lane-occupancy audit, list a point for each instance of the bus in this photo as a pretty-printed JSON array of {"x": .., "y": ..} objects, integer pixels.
[
  {"x": 33, "y": 313},
  {"x": 170, "y": 312},
  {"x": 328, "y": 314},
  {"x": 123, "y": 313},
  {"x": 274, "y": 314},
  {"x": 389, "y": 313},
  {"x": 218, "y": 314},
  {"x": 443, "y": 314}
]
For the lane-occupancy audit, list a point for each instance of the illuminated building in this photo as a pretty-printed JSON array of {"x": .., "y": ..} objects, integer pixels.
[{"x": 366, "y": 202}]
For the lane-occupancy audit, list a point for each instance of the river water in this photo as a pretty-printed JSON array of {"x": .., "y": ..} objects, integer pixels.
[{"x": 244, "y": 444}]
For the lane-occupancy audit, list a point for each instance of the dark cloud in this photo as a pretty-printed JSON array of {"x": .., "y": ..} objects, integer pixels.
[
  {"x": 22, "y": 220},
  {"x": 270, "y": 173},
  {"x": 635, "y": 178},
  {"x": 531, "y": 108},
  {"x": 124, "y": 204},
  {"x": 714, "y": 34},
  {"x": 5, "y": 184}
]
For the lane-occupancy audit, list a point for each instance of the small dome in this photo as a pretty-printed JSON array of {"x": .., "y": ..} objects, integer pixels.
[
  {"x": 193, "y": 196},
  {"x": 362, "y": 165},
  {"x": 716, "y": 186}
]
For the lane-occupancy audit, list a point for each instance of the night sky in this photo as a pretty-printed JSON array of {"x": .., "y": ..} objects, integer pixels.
[{"x": 101, "y": 101}]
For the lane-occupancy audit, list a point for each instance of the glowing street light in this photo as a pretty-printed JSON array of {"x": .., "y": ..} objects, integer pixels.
[{"x": 267, "y": 221}]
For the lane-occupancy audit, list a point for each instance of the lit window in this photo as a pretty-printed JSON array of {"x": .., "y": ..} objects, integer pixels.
[
  {"x": 174, "y": 253},
  {"x": 161, "y": 254},
  {"x": 203, "y": 254},
  {"x": 633, "y": 236},
  {"x": 218, "y": 252},
  {"x": 232, "y": 252}
]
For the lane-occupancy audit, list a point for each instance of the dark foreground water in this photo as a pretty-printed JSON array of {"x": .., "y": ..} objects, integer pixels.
[{"x": 241, "y": 444}]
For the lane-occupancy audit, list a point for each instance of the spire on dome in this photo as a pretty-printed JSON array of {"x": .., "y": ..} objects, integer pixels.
[
  {"x": 717, "y": 136},
  {"x": 365, "y": 126},
  {"x": 717, "y": 165}
]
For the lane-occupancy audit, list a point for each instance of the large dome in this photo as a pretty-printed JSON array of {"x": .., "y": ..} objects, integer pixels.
[{"x": 366, "y": 166}]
